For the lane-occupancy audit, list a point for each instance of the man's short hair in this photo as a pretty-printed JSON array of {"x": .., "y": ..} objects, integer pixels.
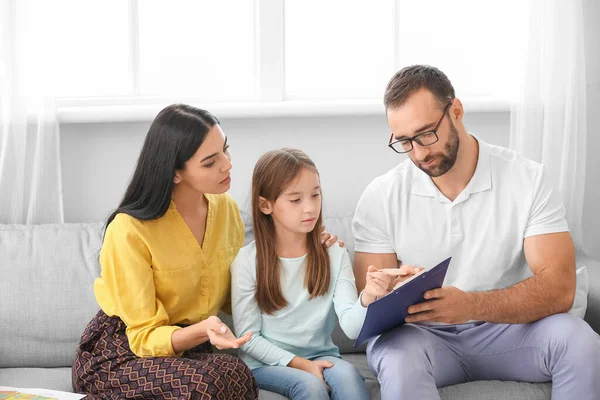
[{"x": 413, "y": 78}]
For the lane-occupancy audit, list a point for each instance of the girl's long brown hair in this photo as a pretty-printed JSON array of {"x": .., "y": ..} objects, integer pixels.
[{"x": 273, "y": 172}]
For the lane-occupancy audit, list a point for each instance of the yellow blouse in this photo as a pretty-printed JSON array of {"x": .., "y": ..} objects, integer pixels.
[{"x": 156, "y": 275}]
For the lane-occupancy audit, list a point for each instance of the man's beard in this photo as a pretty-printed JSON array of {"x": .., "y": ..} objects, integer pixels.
[{"x": 446, "y": 160}]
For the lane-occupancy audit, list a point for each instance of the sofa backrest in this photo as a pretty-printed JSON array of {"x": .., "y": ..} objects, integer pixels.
[
  {"x": 46, "y": 293},
  {"x": 46, "y": 289}
]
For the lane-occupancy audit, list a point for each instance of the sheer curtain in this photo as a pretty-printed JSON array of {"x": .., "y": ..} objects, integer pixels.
[
  {"x": 548, "y": 121},
  {"x": 30, "y": 173}
]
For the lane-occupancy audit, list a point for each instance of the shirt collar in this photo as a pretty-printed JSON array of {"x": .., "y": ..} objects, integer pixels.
[{"x": 482, "y": 178}]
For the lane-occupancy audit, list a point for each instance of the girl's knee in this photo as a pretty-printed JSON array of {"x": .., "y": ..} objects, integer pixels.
[
  {"x": 346, "y": 382},
  {"x": 310, "y": 387},
  {"x": 342, "y": 371}
]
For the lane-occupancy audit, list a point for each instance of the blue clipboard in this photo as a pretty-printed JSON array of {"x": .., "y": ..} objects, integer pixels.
[{"x": 390, "y": 311}]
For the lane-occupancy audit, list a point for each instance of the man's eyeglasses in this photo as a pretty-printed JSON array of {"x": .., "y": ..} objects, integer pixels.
[{"x": 423, "y": 139}]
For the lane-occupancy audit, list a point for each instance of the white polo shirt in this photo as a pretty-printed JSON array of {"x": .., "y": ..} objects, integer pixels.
[{"x": 508, "y": 199}]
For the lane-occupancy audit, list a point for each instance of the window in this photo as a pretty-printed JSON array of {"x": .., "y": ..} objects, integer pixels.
[
  {"x": 144, "y": 51},
  {"x": 338, "y": 48},
  {"x": 480, "y": 45},
  {"x": 74, "y": 48},
  {"x": 197, "y": 49}
]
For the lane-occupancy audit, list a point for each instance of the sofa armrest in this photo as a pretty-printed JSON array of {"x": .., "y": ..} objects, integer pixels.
[{"x": 592, "y": 315}]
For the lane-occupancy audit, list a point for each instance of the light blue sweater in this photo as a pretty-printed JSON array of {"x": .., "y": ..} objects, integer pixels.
[{"x": 304, "y": 327}]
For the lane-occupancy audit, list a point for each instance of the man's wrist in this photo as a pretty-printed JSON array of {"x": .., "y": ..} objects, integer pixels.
[{"x": 473, "y": 305}]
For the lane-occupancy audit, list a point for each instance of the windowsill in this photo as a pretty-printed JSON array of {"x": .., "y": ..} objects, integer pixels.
[{"x": 73, "y": 113}]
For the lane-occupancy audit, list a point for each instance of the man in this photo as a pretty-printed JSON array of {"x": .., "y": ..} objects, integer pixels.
[{"x": 501, "y": 313}]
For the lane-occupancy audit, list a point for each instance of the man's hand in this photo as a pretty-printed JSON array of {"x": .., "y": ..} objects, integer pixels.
[{"x": 447, "y": 304}]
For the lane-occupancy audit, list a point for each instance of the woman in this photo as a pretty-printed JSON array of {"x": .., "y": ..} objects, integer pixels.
[{"x": 165, "y": 273}]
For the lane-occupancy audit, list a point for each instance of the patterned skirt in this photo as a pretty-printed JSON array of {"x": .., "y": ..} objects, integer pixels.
[{"x": 106, "y": 368}]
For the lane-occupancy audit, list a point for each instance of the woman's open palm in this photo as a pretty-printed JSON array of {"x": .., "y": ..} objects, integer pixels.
[{"x": 222, "y": 337}]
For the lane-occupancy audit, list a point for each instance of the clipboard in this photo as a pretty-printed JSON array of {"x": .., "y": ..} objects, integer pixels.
[{"x": 390, "y": 311}]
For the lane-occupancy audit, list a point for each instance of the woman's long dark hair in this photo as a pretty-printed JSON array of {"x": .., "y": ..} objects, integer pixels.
[{"x": 174, "y": 136}]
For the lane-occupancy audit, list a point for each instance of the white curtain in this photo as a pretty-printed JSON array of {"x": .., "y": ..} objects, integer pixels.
[
  {"x": 30, "y": 173},
  {"x": 548, "y": 122}
]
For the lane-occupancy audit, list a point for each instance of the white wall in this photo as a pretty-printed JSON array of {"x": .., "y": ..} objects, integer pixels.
[{"x": 98, "y": 159}]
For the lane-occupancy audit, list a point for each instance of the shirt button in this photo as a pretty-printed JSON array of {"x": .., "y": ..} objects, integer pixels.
[
  {"x": 455, "y": 222},
  {"x": 203, "y": 292}
]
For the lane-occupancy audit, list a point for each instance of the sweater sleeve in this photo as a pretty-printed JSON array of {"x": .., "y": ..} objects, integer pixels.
[
  {"x": 346, "y": 301},
  {"x": 246, "y": 315}
]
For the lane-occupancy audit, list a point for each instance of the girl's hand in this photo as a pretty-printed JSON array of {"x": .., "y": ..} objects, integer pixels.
[
  {"x": 221, "y": 336},
  {"x": 402, "y": 273},
  {"x": 329, "y": 239},
  {"x": 316, "y": 368},
  {"x": 313, "y": 367},
  {"x": 377, "y": 285}
]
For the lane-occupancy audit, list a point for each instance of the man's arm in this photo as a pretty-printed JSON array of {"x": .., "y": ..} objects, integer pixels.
[
  {"x": 363, "y": 260},
  {"x": 550, "y": 290},
  {"x": 551, "y": 257}
]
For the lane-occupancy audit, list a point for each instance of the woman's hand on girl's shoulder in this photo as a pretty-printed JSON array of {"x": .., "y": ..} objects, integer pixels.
[
  {"x": 328, "y": 239},
  {"x": 222, "y": 337}
]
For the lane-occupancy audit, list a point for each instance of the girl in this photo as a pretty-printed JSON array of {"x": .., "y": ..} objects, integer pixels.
[{"x": 286, "y": 286}]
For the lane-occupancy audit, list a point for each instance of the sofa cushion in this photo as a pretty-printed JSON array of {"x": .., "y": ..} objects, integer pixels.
[
  {"x": 494, "y": 390},
  {"x": 37, "y": 378},
  {"x": 46, "y": 291},
  {"x": 592, "y": 315},
  {"x": 581, "y": 293}
]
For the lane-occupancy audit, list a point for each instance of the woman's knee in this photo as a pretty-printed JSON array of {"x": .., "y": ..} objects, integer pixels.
[
  {"x": 235, "y": 376},
  {"x": 233, "y": 363}
]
